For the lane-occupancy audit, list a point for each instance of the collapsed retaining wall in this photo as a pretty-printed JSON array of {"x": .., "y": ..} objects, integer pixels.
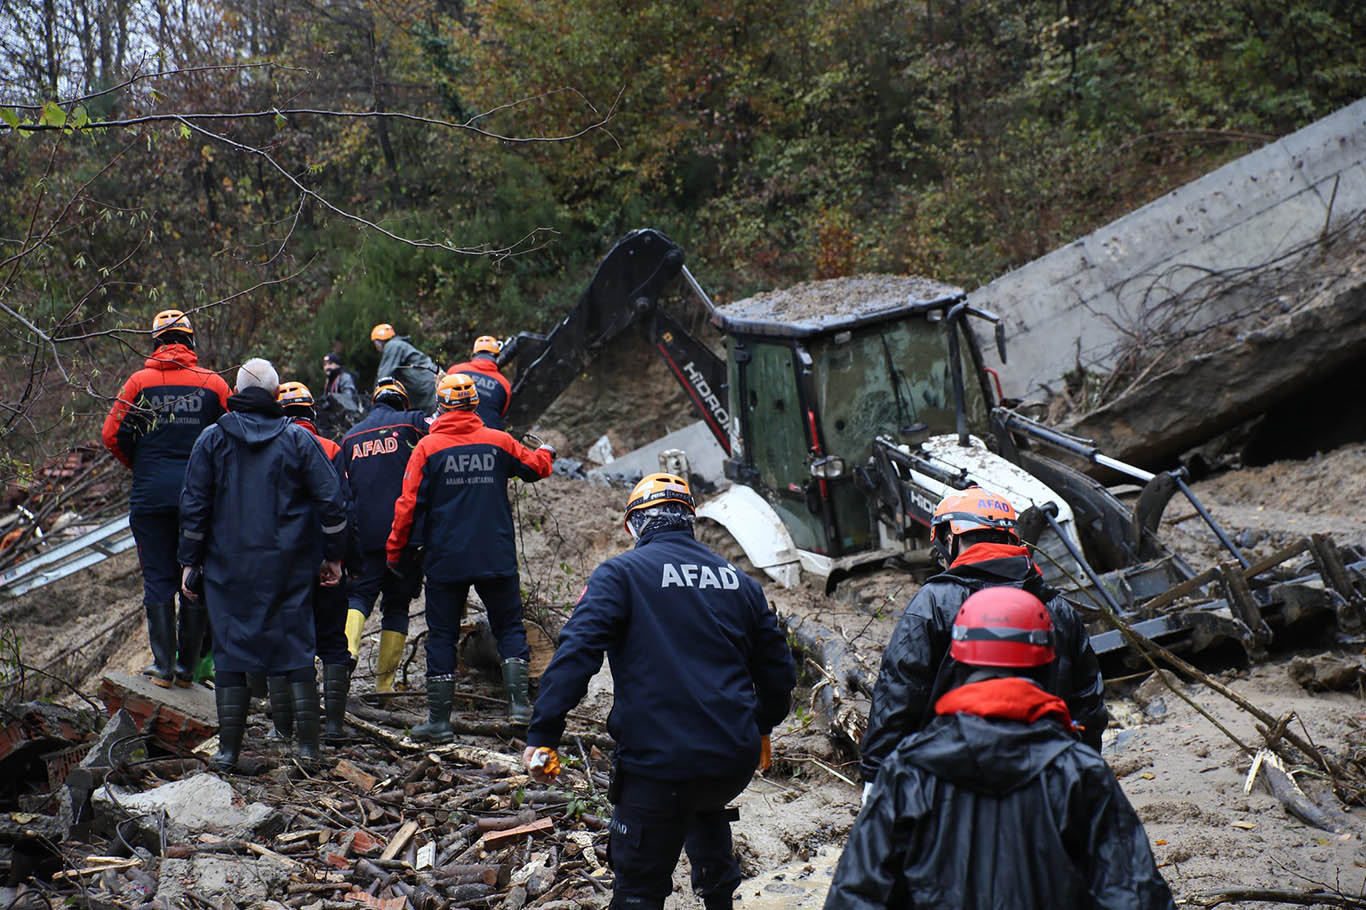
[{"x": 1083, "y": 302}]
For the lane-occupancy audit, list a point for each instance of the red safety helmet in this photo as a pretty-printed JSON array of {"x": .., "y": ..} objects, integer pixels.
[
  {"x": 974, "y": 509},
  {"x": 1002, "y": 627}
]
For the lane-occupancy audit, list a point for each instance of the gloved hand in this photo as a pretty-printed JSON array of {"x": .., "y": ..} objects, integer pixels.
[
  {"x": 867, "y": 788},
  {"x": 765, "y": 753},
  {"x": 542, "y": 763},
  {"x": 549, "y": 448}
]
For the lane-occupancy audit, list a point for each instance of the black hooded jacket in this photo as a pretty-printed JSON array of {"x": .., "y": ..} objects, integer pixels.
[
  {"x": 916, "y": 659},
  {"x": 979, "y": 812}
]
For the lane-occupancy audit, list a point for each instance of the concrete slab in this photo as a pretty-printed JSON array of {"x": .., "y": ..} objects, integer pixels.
[{"x": 705, "y": 457}]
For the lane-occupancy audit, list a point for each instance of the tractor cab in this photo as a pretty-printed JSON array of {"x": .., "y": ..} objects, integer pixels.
[{"x": 820, "y": 371}]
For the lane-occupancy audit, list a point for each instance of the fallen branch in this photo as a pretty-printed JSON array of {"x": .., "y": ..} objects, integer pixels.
[{"x": 1276, "y": 896}]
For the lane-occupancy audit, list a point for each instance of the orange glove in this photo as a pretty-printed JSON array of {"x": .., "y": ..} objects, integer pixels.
[
  {"x": 765, "y": 753},
  {"x": 544, "y": 763}
]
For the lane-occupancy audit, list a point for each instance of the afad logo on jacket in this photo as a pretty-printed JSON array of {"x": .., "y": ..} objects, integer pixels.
[
  {"x": 367, "y": 447},
  {"x": 468, "y": 467},
  {"x": 691, "y": 575}
]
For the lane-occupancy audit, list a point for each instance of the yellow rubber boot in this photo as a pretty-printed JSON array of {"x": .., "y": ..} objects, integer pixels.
[
  {"x": 390, "y": 653},
  {"x": 355, "y": 624}
]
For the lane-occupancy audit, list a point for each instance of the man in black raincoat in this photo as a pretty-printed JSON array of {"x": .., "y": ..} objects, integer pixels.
[
  {"x": 997, "y": 804},
  {"x": 975, "y": 533},
  {"x": 263, "y": 515}
]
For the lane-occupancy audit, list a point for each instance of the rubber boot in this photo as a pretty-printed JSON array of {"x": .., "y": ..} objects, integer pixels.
[
  {"x": 515, "y": 681},
  {"x": 336, "y": 685},
  {"x": 437, "y": 729},
  {"x": 193, "y": 619},
  {"x": 307, "y": 723},
  {"x": 281, "y": 708},
  {"x": 355, "y": 625},
  {"x": 390, "y": 653},
  {"x": 161, "y": 636},
  {"x": 233, "y": 703}
]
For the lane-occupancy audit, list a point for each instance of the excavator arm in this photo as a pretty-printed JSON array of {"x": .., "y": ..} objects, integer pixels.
[{"x": 623, "y": 294}]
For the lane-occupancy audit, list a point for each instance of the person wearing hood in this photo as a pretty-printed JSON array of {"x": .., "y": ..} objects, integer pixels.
[
  {"x": 151, "y": 428},
  {"x": 374, "y": 455},
  {"x": 262, "y": 517},
  {"x": 974, "y": 533},
  {"x": 455, "y": 497},
  {"x": 997, "y": 804},
  {"x": 701, "y": 674},
  {"x": 495, "y": 391},
  {"x": 399, "y": 359}
]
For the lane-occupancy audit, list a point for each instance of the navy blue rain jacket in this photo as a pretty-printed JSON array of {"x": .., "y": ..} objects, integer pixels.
[
  {"x": 700, "y": 669},
  {"x": 984, "y": 813},
  {"x": 260, "y": 510},
  {"x": 456, "y": 483},
  {"x": 374, "y": 454}
]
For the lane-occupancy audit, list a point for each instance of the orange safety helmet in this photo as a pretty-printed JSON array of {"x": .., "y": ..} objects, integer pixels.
[
  {"x": 382, "y": 332},
  {"x": 1002, "y": 627},
  {"x": 487, "y": 344},
  {"x": 456, "y": 391},
  {"x": 170, "y": 321},
  {"x": 389, "y": 385},
  {"x": 973, "y": 509},
  {"x": 294, "y": 395},
  {"x": 656, "y": 488}
]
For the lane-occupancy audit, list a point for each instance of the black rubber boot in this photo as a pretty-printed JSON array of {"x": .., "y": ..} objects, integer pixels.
[
  {"x": 233, "y": 703},
  {"x": 194, "y": 618},
  {"x": 437, "y": 729},
  {"x": 307, "y": 722},
  {"x": 281, "y": 708},
  {"x": 515, "y": 681},
  {"x": 161, "y": 636},
  {"x": 336, "y": 685}
]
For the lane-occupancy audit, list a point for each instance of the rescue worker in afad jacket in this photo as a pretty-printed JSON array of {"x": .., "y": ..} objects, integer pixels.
[
  {"x": 701, "y": 674},
  {"x": 495, "y": 391},
  {"x": 455, "y": 491},
  {"x": 329, "y": 601},
  {"x": 151, "y": 428},
  {"x": 997, "y": 804},
  {"x": 263, "y": 516},
  {"x": 375, "y": 454}
]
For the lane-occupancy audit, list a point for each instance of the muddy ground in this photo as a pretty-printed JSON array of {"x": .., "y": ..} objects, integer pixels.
[{"x": 1183, "y": 776}]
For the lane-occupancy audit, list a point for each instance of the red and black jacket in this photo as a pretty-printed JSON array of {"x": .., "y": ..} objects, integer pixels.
[
  {"x": 495, "y": 392},
  {"x": 156, "y": 419},
  {"x": 456, "y": 484},
  {"x": 374, "y": 455}
]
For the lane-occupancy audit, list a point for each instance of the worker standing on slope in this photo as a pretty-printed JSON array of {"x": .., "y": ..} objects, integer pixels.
[
  {"x": 340, "y": 406},
  {"x": 996, "y": 804},
  {"x": 263, "y": 517},
  {"x": 375, "y": 454},
  {"x": 701, "y": 674},
  {"x": 975, "y": 534},
  {"x": 495, "y": 392},
  {"x": 329, "y": 601},
  {"x": 456, "y": 484},
  {"x": 151, "y": 428},
  {"x": 399, "y": 359}
]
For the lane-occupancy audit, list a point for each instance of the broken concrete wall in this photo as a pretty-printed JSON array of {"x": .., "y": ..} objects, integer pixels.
[{"x": 1084, "y": 302}]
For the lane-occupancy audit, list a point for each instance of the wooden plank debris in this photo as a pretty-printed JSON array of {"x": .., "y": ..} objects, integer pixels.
[
  {"x": 399, "y": 840},
  {"x": 348, "y": 771},
  {"x": 492, "y": 840}
]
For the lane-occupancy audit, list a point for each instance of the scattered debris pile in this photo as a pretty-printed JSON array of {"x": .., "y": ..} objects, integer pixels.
[
  {"x": 384, "y": 822},
  {"x": 69, "y": 494}
]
